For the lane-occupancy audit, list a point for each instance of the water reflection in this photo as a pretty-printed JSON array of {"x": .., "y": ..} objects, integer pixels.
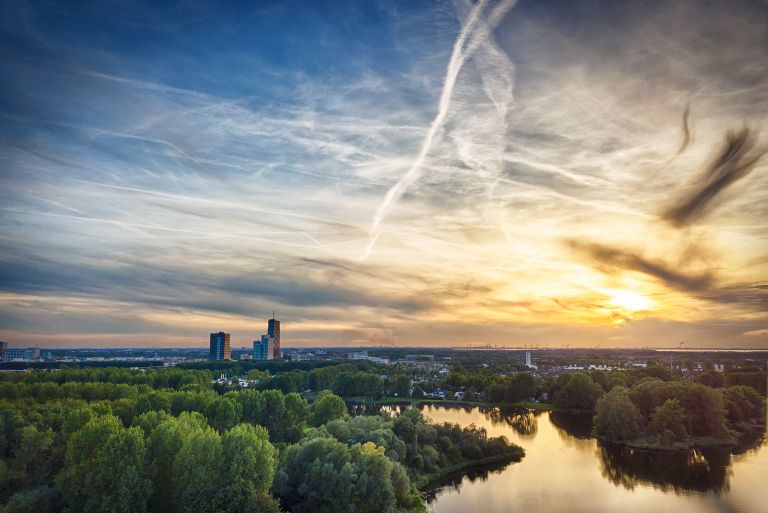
[
  {"x": 572, "y": 426},
  {"x": 465, "y": 478},
  {"x": 524, "y": 422},
  {"x": 700, "y": 470},
  {"x": 565, "y": 469}
]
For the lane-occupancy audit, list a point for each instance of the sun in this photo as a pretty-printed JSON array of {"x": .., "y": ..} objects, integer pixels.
[{"x": 630, "y": 300}]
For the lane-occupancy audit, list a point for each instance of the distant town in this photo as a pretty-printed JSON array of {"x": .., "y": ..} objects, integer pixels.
[{"x": 430, "y": 365}]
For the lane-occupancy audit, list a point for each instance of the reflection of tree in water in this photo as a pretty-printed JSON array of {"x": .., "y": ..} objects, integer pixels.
[
  {"x": 376, "y": 409},
  {"x": 455, "y": 481},
  {"x": 572, "y": 425},
  {"x": 523, "y": 421},
  {"x": 749, "y": 444},
  {"x": 699, "y": 470}
]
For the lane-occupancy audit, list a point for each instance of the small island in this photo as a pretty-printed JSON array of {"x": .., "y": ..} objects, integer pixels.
[{"x": 678, "y": 415}]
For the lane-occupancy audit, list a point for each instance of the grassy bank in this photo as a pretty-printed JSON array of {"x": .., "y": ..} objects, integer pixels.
[{"x": 693, "y": 443}]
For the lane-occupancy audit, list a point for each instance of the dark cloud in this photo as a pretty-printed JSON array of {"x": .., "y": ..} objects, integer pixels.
[
  {"x": 735, "y": 160},
  {"x": 612, "y": 260},
  {"x": 686, "y": 129},
  {"x": 754, "y": 295},
  {"x": 144, "y": 284},
  {"x": 703, "y": 285}
]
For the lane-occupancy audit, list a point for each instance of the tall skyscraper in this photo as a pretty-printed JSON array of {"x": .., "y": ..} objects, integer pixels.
[
  {"x": 262, "y": 349},
  {"x": 220, "y": 349},
  {"x": 3, "y": 347},
  {"x": 273, "y": 330}
]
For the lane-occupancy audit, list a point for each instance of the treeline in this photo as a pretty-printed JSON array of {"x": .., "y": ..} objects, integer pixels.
[
  {"x": 654, "y": 412},
  {"x": 580, "y": 391},
  {"x": 156, "y": 378},
  {"x": 242, "y": 367},
  {"x": 284, "y": 415},
  {"x": 581, "y": 394},
  {"x": 20, "y": 366},
  {"x": 105, "y": 446},
  {"x": 344, "y": 380}
]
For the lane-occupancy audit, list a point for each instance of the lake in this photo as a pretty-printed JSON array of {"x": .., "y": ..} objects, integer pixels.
[{"x": 567, "y": 471}]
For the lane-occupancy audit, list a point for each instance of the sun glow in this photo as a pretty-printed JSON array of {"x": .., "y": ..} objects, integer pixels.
[{"x": 630, "y": 300}]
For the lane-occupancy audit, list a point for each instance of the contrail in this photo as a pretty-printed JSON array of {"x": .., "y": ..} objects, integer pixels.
[{"x": 461, "y": 51}]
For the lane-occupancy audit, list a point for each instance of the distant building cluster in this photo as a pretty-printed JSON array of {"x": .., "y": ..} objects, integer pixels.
[
  {"x": 300, "y": 356},
  {"x": 265, "y": 348},
  {"x": 268, "y": 347}
]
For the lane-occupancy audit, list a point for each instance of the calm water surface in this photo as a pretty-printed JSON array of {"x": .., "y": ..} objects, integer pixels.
[{"x": 564, "y": 471}]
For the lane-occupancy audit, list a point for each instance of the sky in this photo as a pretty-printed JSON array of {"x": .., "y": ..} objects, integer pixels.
[{"x": 433, "y": 173}]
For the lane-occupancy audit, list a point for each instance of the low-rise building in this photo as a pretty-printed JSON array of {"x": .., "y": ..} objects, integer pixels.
[{"x": 21, "y": 354}]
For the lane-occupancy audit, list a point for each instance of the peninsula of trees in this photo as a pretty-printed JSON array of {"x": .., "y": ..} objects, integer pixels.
[{"x": 163, "y": 440}]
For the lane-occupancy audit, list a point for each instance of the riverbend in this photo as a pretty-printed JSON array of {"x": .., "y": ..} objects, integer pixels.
[{"x": 566, "y": 470}]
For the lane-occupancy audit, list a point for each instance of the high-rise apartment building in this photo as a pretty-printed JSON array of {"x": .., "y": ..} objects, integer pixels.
[
  {"x": 220, "y": 349},
  {"x": 263, "y": 349},
  {"x": 273, "y": 330}
]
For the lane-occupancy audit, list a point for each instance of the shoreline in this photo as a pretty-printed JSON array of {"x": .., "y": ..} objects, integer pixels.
[
  {"x": 396, "y": 401},
  {"x": 424, "y": 481},
  {"x": 699, "y": 443},
  {"x": 642, "y": 444}
]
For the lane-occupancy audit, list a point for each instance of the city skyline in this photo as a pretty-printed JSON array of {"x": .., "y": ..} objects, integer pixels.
[{"x": 417, "y": 174}]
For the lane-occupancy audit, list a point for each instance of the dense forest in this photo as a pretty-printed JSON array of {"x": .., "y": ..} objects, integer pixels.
[
  {"x": 280, "y": 438},
  {"x": 168, "y": 440}
]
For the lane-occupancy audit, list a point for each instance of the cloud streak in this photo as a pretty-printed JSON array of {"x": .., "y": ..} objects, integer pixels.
[
  {"x": 686, "y": 129},
  {"x": 737, "y": 157},
  {"x": 613, "y": 259},
  {"x": 466, "y": 43}
]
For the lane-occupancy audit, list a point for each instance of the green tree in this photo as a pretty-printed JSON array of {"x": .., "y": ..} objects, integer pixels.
[
  {"x": 104, "y": 468},
  {"x": 296, "y": 414},
  {"x": 327, "y": 407},
  {"x": 617, "y": 418},
  {"x": 33, "y": 452},
  {"x": 579, "y": 393},
  {"x": 495, "y": 392},
  {"x": 755, "y": 379},
  {"x": 35, "y": 500},
  {"x": 711, "y": 379},
  {"x": 521, "y": 387},
  {"x": 402, "y": 385},
  {"x": 743, "y": 404},
  {"x": 668, "y": 421},
  {"x": 322, "y": 475},
  {"x": 197, "y": 470},
  {"x": 250, "y": 466},
  {"x": 76, "y": 419},
  {"x": 257, "y": 375},
  {"x": 164, "y": 443},
  {"x": 223, "y": 413}
]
